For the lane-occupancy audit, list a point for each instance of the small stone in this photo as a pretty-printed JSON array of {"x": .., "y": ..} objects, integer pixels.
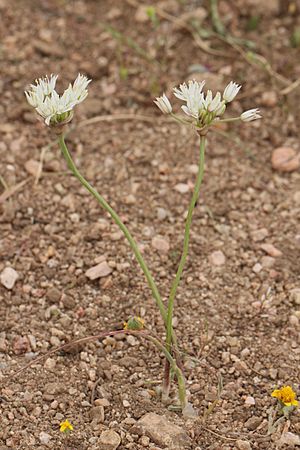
[
  {"x": 243, "y": 445},
  {"x": 145, "y": 441},
  {"x": 271, "y": 250},
  {"x": 98, "y": 271},
  {"x": 53, "y": 295},
  {"x": 102, "y": 402},
  {"x": 257, "y": 268},
  {"x": 44, "y": 438},
  {"x": 8, "y": 277},
  {"x": 126, "y": 404},
  {"x": 182, "y": 188},
  {"x": 269, "y": 98},
  {"x": 259, "y": 235},
  {"x": 109, "y": 440},
  {"x": 161, "y": 244},
  {"x": 32, "y": 167},
  {"x": 162, "y": 214},
  {"x": 250, "y": 401},
  {"x": 217, "y": 258},
  {"x": 253, "y": 423},
  {"x": 288, "y": 438},
  {"x": 97, "y": 414},
  {"x": 48, "y": 49},
  {"x": 162, "y": 432},
  {"x": 267, "y": 262},
  {"x": 50, "y": 364},
  {"x": 285, "y": 159},
  {"x": 21, "y": 345},
  {"x": 295, "y": 296},
  {"x": 294, "y": 321}
]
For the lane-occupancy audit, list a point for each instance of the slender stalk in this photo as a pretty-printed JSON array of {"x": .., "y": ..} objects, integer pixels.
[
  {"x": 177, "y": 278},
  {"x": 123, "y": 228},
  {"x": 177, "y": 370}
]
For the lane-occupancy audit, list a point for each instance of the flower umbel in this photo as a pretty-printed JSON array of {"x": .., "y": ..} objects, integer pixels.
[
  {"x": 56, "y": 109},
  {"x": 66, "y": 426},
  {"x": 204, "y": 108},
  {"x": 134, "y": 323},
  {"x": 286, "y": 396}
]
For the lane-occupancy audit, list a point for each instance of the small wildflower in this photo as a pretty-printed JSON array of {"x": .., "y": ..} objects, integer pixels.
[
  {"x": 205, "y": 108},
  {"x": 251, "y": 114},
  {"x": 164, "y": 104},
  {"x": 56, "y": 109},
  {"x": 286, "y": 396},
  {"x": 134, "y": 323},
  {"x": 231, "y": 91},
  {"x": 66, "y": 426}
]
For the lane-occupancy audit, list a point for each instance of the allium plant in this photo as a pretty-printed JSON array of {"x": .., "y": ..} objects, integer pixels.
[{"x": 203, "y": 111}]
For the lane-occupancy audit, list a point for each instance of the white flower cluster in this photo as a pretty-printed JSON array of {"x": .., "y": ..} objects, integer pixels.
[
  {"x": 204, "y": 108},
  {"x": 56, "y": 109}
]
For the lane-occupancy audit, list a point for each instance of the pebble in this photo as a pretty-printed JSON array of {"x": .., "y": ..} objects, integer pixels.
[
  {"x": 32, "y": 167},
  {"x": 249, "y": 401},
  {"x": 253, "y": 423},
  {"x": 50, "y": 364},
  {"x": 97, "y": 414},
  {"x": 21, "y": 345},
  {"x": 295, "y": 296},
  {"x": 217, "y": 258},
  {"x": 269, "y": 98},
  {"x": 243, "y": 445},
  {"x": 257, "y": 268},
  {"x": 44, "y": 438},
  {"x": 182, "y": 188},
  {"x": 126, "y": 403},
  {"x": 161, "y": 213},
  {"x": 259, "y": 235},
  {"x": 288, "y": 438},
  {"x": 267, "y": 262},
  {"x": 109, "y": 440},
  {"x": 98, "y": 271},
  {"x": 102, "y": 402},
  {"x": 53, "y": 295},
  {"x": 160, "y": 244},
  {"x": 8, "y": 277},
  {"x": 271, "y": 250},
  {"x": 285, "y": 159},
  {"x": 161, "y": 431}
]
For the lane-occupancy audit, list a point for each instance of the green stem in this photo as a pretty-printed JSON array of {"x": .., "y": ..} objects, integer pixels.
[
  {"x": 183, "y": 257},
  {"x": 176, "y": 369},
  {"x": 118, "y": 221},
  {"x": 215, "y": 17}
]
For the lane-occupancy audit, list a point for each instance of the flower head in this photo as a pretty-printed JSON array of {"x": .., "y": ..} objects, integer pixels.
[
  {"x": 56, "y": 109},
  {"x": 134, "y": 323},
  {"x": 164, "y": 104},
  {"x": 251, "y": 114},
  {"x": 204, "y": 109},
  {"x": 65, "y": 426},
  {"x": 286, "y": 396},
  {"x": 231, "y": 91}
]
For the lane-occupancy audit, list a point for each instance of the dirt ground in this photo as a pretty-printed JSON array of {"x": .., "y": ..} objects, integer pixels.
[{"x": 237, "y": 314}]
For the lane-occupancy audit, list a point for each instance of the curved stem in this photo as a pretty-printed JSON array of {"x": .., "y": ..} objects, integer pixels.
[
  {"x": 183, "y": 257},
  {"x": 122, "y": 227},
  {"x": 118, "y": 221}
]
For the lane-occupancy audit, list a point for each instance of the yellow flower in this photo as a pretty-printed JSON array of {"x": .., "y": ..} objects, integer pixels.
[
  {"x": 66, "y": 426},
  {"x": 134, "y": 323},
  {"x": 286, "y": 395}
]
